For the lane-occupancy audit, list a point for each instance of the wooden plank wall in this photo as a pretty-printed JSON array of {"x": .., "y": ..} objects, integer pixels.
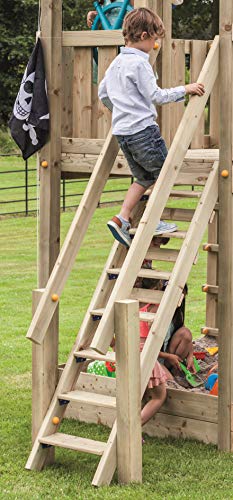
[{"x": 84, "y": 116}]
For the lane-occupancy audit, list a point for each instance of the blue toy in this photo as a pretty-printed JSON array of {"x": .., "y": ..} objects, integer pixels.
[
  {"x": 211, "y": 381},
  {"x": 103, "y": 20}
]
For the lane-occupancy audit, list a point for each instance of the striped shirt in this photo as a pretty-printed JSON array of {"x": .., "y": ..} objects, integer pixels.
[{"x": 130, "y": 90}]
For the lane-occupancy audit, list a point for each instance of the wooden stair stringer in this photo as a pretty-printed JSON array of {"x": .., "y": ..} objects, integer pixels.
[
  {"x": 73, "y": 240},
  {"x": 158, "y": 199},
  {"x": 167, "y": 308}
]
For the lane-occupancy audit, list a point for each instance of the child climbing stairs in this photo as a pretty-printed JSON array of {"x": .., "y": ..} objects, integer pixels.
[{"x": 126, "y": 265}]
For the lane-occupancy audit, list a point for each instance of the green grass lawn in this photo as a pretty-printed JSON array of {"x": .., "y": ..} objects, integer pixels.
[
  {"x": 171, "y": 468},
  {"x": 13, "y": 191}
]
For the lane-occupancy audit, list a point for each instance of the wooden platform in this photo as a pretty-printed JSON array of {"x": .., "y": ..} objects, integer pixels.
[{"x": 80, "y": 155}]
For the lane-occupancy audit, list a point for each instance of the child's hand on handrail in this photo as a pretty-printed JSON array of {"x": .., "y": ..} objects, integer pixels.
[{"x": 195, "y": 88}]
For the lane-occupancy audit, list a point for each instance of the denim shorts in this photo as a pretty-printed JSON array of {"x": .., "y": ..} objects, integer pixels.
[{"x": 145, "y": 153}]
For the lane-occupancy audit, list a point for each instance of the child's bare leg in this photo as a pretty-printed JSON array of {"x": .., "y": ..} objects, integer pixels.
[
  {"x": 133, "y": 195},
  {"x": 181, "y": 343},
  {"x": 158, "y": 397}
]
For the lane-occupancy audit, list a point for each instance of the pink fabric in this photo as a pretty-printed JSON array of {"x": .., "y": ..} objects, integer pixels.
[
  {"x": 144, "y": 327},
  {"x": 158, "y": 375}
]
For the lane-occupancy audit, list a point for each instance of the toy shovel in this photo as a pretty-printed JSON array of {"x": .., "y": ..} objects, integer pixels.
[{"x": 193, "y": 379}]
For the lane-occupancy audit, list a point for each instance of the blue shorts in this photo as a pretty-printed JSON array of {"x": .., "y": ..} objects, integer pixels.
[{"x": 145, "y": 153}]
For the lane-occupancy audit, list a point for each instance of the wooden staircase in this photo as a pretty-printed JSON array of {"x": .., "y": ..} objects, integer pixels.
[{"x": 117, "y": 282}]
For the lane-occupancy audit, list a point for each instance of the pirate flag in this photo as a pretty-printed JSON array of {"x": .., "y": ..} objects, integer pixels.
[{"x": 29, "y": 122}]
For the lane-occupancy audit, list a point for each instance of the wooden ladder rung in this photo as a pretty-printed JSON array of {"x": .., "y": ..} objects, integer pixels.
[
  {"x": 90, "y": 398},
  {"x": 74, "y": 443},
  {"x": 143, "y": 316},
  {"x": 211, "y": 247},
  {"x": 209, "y": 330},
  {"x": 90, "y": 354},
  {"x": 213, "y": 289},
  {"x": 145, "y": 273}
]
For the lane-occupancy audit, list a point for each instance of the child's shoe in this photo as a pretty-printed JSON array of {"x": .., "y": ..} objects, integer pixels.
[
  {"x": 165, "y": 227},
  {"x": 120, "y": 230}
]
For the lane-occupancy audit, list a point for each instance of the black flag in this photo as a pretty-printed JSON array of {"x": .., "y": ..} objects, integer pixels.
[{"x": 29, "y": 122}]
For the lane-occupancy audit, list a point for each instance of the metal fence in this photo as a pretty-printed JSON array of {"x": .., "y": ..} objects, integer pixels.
[{"x": 20, "y": 197}]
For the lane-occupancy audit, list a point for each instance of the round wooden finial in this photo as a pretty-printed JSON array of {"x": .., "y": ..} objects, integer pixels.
[
  {"x": 205, "y": 288},
  {"x": 207, "y": 248},
  {"x": 205, "y": 330},
  {"x": 44, "y": 164},
  {"x": 224, "y": 173},
  {"x": 156, "y": 45},
  {"x": 56, "y": 420},
  {"x": 55, "y": 297}
]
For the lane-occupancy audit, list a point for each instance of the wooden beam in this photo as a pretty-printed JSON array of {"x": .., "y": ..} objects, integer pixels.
[
  {"x": 97, "y": 38},
  {"x": 128, "y": 392},
  {"x": 225, "y": 302}
]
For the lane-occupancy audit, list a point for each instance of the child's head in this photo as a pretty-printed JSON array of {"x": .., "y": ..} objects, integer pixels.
[{"x": 142, "y": 24}]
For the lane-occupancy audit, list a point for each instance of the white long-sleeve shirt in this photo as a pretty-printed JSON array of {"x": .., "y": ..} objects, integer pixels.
[{"x": 130, "y": 90}]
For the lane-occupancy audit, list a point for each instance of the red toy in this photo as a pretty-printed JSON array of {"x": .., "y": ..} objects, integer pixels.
[{"x": 199, "y": 354}]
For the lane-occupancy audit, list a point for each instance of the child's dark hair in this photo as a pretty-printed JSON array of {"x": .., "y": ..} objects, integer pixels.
[{"x": 139, "y": 20}]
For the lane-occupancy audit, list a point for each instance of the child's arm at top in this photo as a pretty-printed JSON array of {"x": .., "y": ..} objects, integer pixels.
[
  {"x": 103, "y": 94},
  {"x": 147, "y": 85}
]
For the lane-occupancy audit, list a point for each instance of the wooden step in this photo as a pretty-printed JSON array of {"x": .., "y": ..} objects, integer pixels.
[
  {"x": 90, "y": 354},
  {"x": 162, "y": 254},
  {"x": 143, "y": 316},
  {"x": 147, "y": 296},
  {"x": 74, "y": 443},
  {"x": 91, "y": 398},
  {"x": 175, "y": 234},
  {"x": 145, "y": 273},
  {"x": 178, "y": 214},
  {"x": 203, "y": 155},
  {"x": 185, "y": 193}
]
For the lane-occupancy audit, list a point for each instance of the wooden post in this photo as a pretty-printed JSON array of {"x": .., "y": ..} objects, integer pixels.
[
  {"x": 44, "y": 379},
  {"x": 225, "y": 311},
  {"x": 128, "y": 392},
  {"x": 47, "y": 354},
  {"x": 166, "y": 68},
  {"x": 198, "y": 54}
]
